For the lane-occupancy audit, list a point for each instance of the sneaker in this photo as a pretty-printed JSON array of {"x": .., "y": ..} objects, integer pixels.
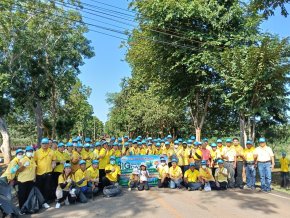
[
  {"x": 57, "y": 205},
  {"x": 136, "y": 189},
  {"x": 66, "y": 202},
  {"x": 129, "y": 189},
  {"x": 189, "y": 189},
  {"x": 46, "y": 206}
]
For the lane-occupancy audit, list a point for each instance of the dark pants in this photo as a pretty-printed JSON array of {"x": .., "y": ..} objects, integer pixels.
[
  {"x": 133, "y": 184},
  {"x": 54, "y": 179},
  {"x": 24, "y": 189},
  {"x": 143, "y": 185},
  {"x": 169, "y": 164},
  {"x": 239, "y": 174},
  {"x": 213, "y": 170},
  {"x": 223, "y": 186},
  {"x": 106, "y": 182},
  {"x": 182, "y": 169},
  {"x": 212, "y": 185},
  {"x": 43, "y": 183},
  {"x": 66, "y": 194},
  {"x": 284, "y": 179},
  {"x": 102, "y": 174},
  {"x": 163, "y": 184}
]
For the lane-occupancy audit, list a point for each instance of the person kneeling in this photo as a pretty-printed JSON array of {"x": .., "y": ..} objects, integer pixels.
[
  {"x": 221, "y": 176},
  {"x": 163, "y": 171},
  {"x": 191, "y": 178},
  {"x": 65, "y": 190},
  {"x": 144, "y": 175},
  {"x": 113, "y": 173},
  {"x": 93, "y": 176},
  {"x": 81, "y": 177},
  {"x": 175, "y": 174},
  {"x": 205, "y": 176},
  {"x": 134, "y": 180}
]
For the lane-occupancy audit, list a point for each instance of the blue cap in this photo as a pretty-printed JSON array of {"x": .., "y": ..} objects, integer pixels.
[
  {"x": 192, "y": 137},
  {"x": 87, "y": 145},
  {"x": 95, "y": 162},
  {"x": 219, "y": 141},
  {"x": 220, "y": 161},
  {"x": 180, "y": 140},
  {"x": 60, "y": 145},
  {"x": 69, "y": 144},
  {"x": 120, "y": 139},
  {"x": 112, "y": 158},
  {"x": 126, "y": 137},
  {"x": 162, "y": 158},
  {"x": 44, "y": 141},
  {"x": 262, "y": 140},
  {"x": 176, "y": 142},
  {"x": 134, "y": 142},
  {"x": 79, "y": 145},
  {"x": 196, "y": 143},
  {"x": 74, "y": 140},
  {"x": 189, "y": 141},
  {"x": 149, "y": 144},
  {"x": 139, "y": 143},
  {"x": 126, "y": 144},
  {"x": 104, "y": 142},
  {"x": 158, "y": 144},
  {"x": 169, "y": 136},
  {"x": 29, "y": 148},
  {"x": 174, "y": 160},
  {"x": 205, "y": 140},
  {"x": 82, "y": 162},
  {"x": 120, "y": 144},
  {"x": 203, "y": 162},
  {"x": 149, "y": 138},
  {"x": 192, "y": 164},
  {"x": 162, "y": 141},
  {"x": 113, "y": 139},
  {"x": 229, "y": 140},
  {"x": 213, "y": 145},
  {"x": 167, "y": 143},
  {"x": 98, "y": 144},
  {"x": 79, "y": 138},
  {"x": 283, "y": 153},
  {"x": 87, "y": 140},
  {"x": 143, "y": 142},
  {"x": 130, "y": 140},
  {"x": 139, "y": 137},
  {"x": 249, "y": 142},
  {"x": 184, "y": 142},
  {"x": 19, "y": 151},
  {"x": 67, "y": 165},
  {"x": 115, "y": 144}
]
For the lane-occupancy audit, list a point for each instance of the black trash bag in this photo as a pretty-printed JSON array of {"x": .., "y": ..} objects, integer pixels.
[
  {"x": 112, "y": 190},
  {"x": 34, "y": 201},
  {"x": 6, "y": 205}
]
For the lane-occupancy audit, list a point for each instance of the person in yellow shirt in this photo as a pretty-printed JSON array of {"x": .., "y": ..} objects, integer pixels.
[
  {"x": 196, "y": 154},
  {"x": 163, "y": 171},
  {"x": 45, "y": 161},
  {"x": 113, "y": 173},
  {"x": 26, "y": 175},
  {"x": 134, "y": 149},
  {"x": 93, "y": 176},
  {"x": 82, "y": 178},
  {"x": 134, "y": 180},
  {"x": 11, "y": 172},
  {"x": 205, "y": 175},
  {"x": 191, "y": 178},
  {"x": 126, "y": 149},
  {"x": 69, "y": 150},
  {"x": 65, "y": 190},
  {"x": 179, "y": 155},
  {"x": 158, "y": 150},
  {"x": 284, "y": 162},
  {"x": 214, "y": 157},
  {"x": 230, "y": 158},
  {"x": 175, "y": 175},
  {"x": 115, "y": 150},
  {"x": 185, "y": 152},
  {"x": 249, "y": 160},
  {"x": 149, "y": 150},
  {"x": 143, "y": 148},
  {"x": 76, "y": 157},
  {"x": 221, "y": 176},
  {"x": 169, "y": 152},
  {"x": 240, "y": 163},
  {"x": 86, "y": 155},
  {"x": 96, "y": 151}
]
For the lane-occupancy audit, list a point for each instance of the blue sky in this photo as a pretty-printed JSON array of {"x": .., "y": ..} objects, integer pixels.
[{"x": 103, "y": 72}]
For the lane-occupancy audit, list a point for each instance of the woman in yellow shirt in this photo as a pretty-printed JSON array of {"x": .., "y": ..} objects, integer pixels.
[
  {"x": 221, "y": 176},
  {"x": 205, "y": 175},
  {"x": 175, "y": 175},
  {"x": 93, "y": 176}
]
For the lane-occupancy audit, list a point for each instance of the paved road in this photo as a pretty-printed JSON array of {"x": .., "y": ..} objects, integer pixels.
[{"x": 179, "y": 203}]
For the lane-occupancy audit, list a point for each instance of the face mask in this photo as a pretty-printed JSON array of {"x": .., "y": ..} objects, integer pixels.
[
  {"x": 91, "y": 149},
  {"x": 163, "y": 164},
  {"x": 203, "y": 166},
  {"x": 74, "y": 144},
  {"x": 19, "y": 156},
  {"x": 112, "y": 162},
  {"x": 29, "y": 154},
  {"x": 175, "y": 146}
]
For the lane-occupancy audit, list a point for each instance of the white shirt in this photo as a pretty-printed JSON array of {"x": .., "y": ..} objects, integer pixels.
[
  {"x": 264, "y": 153},
  {"x": 230, "y": 152},
  {"x": 143, "y": 176}
]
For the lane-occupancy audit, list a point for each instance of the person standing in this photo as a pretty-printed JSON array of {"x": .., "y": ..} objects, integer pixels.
[
  {"x": 230, "y": 159},
  {"x": 239, "y": 164},
  {"x": 284, "y": 162},
  {"x": 104, "y": 156},
  {"x": 265, "y": 160},
  {"x": 250, "y": 166}
]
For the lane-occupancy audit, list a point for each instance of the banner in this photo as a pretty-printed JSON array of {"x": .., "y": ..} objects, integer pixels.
[{"x": 128, "y": 163}]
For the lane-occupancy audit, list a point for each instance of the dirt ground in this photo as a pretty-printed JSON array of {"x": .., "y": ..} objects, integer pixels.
[{"x": 178, "y": 203}]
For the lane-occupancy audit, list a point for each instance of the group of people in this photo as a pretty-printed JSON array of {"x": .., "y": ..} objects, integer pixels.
[{"x": 71, "y": 172}]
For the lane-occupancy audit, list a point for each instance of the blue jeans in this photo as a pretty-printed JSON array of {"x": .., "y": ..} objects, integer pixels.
[
  {"x": 193, "y": 185},
  {"x": 265, "y": 175},
  {"x": 251, "y": 175},
  {"x": 175, "y": 183}
]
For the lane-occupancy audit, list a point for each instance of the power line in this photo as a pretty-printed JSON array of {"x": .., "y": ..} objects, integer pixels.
[{"x": 112, "y": 6}]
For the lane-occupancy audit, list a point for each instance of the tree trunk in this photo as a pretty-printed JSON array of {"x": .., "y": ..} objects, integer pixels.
[
  {"x": 39, "y": 121},
  {"x": 243, "y": 136},
  {"x": 53, "y": 110},
  {"x": 5, "y": 147},
  {"x": 198, "y": 134}
]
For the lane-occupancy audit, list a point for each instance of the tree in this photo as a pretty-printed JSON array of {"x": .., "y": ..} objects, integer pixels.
[{"x": 268, "y": 7}]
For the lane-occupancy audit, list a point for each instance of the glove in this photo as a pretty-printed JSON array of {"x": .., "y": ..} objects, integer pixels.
[
  {"x": 68, "y": 180},
  {"x": 26, "y": 164}
]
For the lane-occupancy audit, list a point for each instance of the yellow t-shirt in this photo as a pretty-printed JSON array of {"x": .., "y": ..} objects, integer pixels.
[
  {"x": 191, "y": 176},
  {"x": 206, "y": 174},
  {"x": 158, "y": 152},
  {"x": 162, "y": 170},
  {"x": 60, "y": 157},
  {"x": 93, "y": 173},
  {"x": 220, "y": 151},
  {"x": 105, "y": 159},
  {"x": 28, "y": 174},
  {"x": 284, "y": 164},
  {"x": 75, "y": 161},
  {"x": 87, "y": 155},
  {"x": 143, "y": 151},
  {"x": 185, "y": 154},
  {"x": 150, "y": 151},
  {"x": 175, "y": 172},
  {"x": 249, "y": 154},
  {"x": 135, "y": 151},
  {"x": 43, "y": 160},
  {"x": 7, "y": 172},
  {"x": 199, "y": 153},
  {"x": 61, "y": 180},
  {"x": 79, "y": 175},
  {"x": 219, "y": 177},
  {"x": 179, "y": 154},
  {"x": 116, "y": 153},
  {"x": 168, "y": 152},
  {"x": 113, "y": 176},
  {"x": 96, "y": 153},
  {"x": 239, "y": 151}
]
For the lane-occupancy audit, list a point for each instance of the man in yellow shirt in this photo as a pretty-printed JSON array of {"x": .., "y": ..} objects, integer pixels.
[
  {"x": 163, "y": 171},
  {"x": 76, "y": 157},
  {"x": 86, "y": 154},
  {"x": 175, "y": 175},
  {"x": 230, "y": 159},
  {"x": 82, "y": 178},
  {"x": 185, "y": 152},
  {"x": 169, "y": 152},
  {"x": 158, "y": 150},
  {"x": 93, "y": 176},
  {"x": 205, "y": 175},
  {"x": 191, "y": 178},
  {"x": 143, "y": 148},
  {"x": 134, "y": 149},
  {"x": 248, "y": 156},
  {"x": 284, "y": 162},
  {"x": 115, "y": 151},
  {"x": 239, "y": 164},
  {"x": 221, "y": 176},
  {"x": 126, "y": 149},
  {"x": 45, "y": 161},
  {"x": 103, "y": 160},
  {"x": 113, "y": 173}
]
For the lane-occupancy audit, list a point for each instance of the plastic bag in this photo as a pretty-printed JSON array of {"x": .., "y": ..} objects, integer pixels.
[
  {"x": 207, "y": 187},
  {"x": 112, "y": 190}
]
